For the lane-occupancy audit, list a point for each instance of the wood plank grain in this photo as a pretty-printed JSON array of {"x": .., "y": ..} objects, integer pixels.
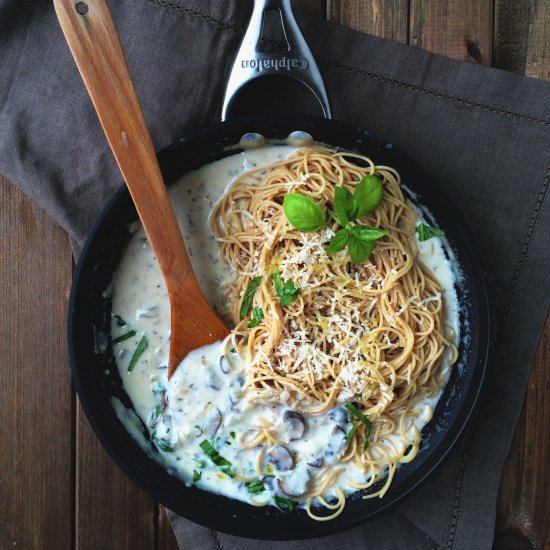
[
  {"x": 383, "y": 18},
  {"x": 522, "y": 37},
  {"x": 522, "y": 45},
  {"x": 35, "y": 393},
  {"x": 462, "y": 29},
  {"x": 111, "y": 512},
  {"x": 523, "y": 509}
]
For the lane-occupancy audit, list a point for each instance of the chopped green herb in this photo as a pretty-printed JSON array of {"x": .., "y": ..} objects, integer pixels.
[
  {"x": 158, "y": 410},
  {"x": 196, "y": 476},
  {"x": 287, "y": 292},
  {"x": 161, "y": 443},
  {"x": 354, "y": 411},
  {"x": 249, "y": 295},
  {"x": 426, "y": 232},
  {"x": 200, "y": 463},
  {"x": 232, "y": 434},
  {"x": 233, "y": 350},
  {"x": 216, "y": 458},
  {"x": 120, "y": 321},
  {"x": 124, "y": 336},
  {"x": 257, "y": 316},
  {"x": 255, "y": 487},
  {"x": 138, "y": 353},
  {"x": 349, "y": 435},
  {"x": 303, "y": 213},
  {"x": 284, "y": 504}
]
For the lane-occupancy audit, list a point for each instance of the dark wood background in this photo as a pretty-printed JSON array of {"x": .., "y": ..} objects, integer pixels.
[{"x": 58, "y": 487}]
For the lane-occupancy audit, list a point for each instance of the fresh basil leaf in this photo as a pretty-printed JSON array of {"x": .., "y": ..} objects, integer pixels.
[
  {"x": 124, "y": 336},
  {"x": 141, "y": 347},
  {"x": 368, "y": 194},
  {"x": 287, "y": 292},
  {"x": 303, "y": 213},
  {"x": 257, "y": 316},
  {"x": 426, "y": 232},
  {"x": 333, "y": 216},
  {"x": 249, "y": 295},
  {"x": 359, "y": 250},
  {"x": 345, "y": 205},
  {"x": 339, "y": 241},
  {"x": 366, "y": 233}
]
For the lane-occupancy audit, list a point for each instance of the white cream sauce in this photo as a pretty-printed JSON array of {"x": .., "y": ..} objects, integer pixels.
[{"x": 204, "y": 399}]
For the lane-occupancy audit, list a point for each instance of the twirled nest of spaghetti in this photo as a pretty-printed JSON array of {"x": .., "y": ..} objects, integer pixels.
[{"x": 370, "y": 332}]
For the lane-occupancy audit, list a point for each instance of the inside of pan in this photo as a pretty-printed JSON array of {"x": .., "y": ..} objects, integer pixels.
[{"x": 96, "y": 375}]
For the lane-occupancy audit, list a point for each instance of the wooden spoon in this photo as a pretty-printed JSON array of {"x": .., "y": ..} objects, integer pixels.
[{"x": 94, "y": 43}]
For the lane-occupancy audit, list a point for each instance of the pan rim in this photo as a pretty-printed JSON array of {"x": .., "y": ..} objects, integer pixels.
[{"x": 449, "y": 441}]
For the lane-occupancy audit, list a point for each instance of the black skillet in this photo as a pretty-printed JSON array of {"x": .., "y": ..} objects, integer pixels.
[{"x": 95, "y": 373}]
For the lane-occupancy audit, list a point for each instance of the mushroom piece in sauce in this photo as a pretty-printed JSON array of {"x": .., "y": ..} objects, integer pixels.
[
  {"x": 295, "y": 424},
  {"x": 224, "y": 364},
  {"x": 215, "y": 423},
  {"x": 281, "y": 458}
]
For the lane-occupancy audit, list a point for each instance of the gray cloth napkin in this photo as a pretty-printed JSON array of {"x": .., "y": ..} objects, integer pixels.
[{"x": 484, "y": 134}]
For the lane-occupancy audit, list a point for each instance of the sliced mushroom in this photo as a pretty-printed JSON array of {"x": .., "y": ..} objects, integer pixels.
[
  {"x": 317, "y": 463},
  {"x": 224, "y": 364},
  {"x": 281, "y": 458},
  {"x": 294, "y": 485},
  {"x": 295, "y": 423},
  {"x": 339, "y": 415},
  {"x": 287, "y": 492},
  {"x": 337, "y": 441},
  {"x": 212, "y": 380},
  {"x": 235, "y": 389},
  {"x": 215, "y": 422}
]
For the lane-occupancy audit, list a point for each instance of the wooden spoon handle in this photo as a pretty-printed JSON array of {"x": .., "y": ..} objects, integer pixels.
[
  {"x": 95, "y": 46},
  {"x": 94, "y": 43}
]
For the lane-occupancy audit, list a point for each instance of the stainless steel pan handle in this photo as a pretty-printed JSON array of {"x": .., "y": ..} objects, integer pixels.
[{"x": 296, "y": 62}]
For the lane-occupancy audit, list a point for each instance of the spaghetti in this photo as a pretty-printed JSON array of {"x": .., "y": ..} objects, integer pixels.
[{"x": 371, "y": 333}]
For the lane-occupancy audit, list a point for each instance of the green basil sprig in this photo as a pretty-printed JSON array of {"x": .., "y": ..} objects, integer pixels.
[
  {"x": 303, "y": 213},
  {"x": 426, "y": 232},
  {"x": 360, "y": 239},
  {"x": 306, "y": 215}
]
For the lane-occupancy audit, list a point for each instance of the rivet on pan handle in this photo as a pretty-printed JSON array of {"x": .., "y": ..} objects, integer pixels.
[{"x": 297, "y": 62}]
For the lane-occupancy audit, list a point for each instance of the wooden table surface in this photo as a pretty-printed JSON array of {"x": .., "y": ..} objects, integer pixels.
[{"x": 58, "y": 487}]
